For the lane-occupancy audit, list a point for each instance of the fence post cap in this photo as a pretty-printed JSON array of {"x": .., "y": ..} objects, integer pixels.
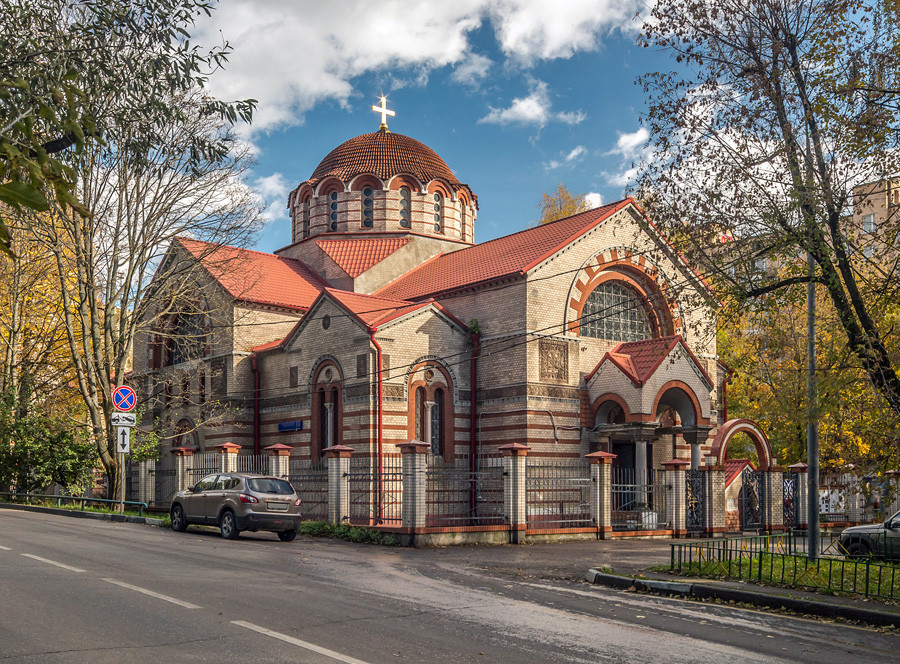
[
  {"x": 676, "y": 464},
  {"x": 279, "y": 449},
  {"x": 798, "y": 467},
  {"x": 414, "y": 447},
  {"x": 600, "y": 457},
  {"x": 183, "y": 451},
  {"x": 338, "y": 452},
  {"x": 227, "y": 447},
  {"x": 515, "y": 449}
]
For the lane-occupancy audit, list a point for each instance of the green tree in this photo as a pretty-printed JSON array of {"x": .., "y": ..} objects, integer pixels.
[
  {"x": 559, "y": 205},
  {"x": 779, "y": 108}
]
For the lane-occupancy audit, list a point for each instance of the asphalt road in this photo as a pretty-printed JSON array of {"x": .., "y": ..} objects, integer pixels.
[{"x": 74, "y": 590}]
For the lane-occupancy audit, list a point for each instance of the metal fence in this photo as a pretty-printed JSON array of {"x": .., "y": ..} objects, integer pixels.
[
  {"x": 779, "y": 560},
  {"x": 639, "y": 506},
  {"x": 309, "y": 478},
  {"x": 695, "y": 501},
  {"x": 164, "y": 480},
  {"x": 376, "y": 498},
  {"x": 789, "y": 510},
  {"x": 203, "y": 464},
  {"x": 457, "y": 496},
  {"x": 557, "y": 494},
  {"x": 253, "y": 463}
]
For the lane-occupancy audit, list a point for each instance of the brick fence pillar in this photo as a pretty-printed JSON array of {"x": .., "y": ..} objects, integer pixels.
[
  {"x": 715, "y": 500},
  {"x": 774, "y": 479},
  {"x": 338, "y": 483},
  {"x": 601, "y": 492},
  {"x": 514, "y": 500},
  {"x": 279, "y": 455},
  {"x": 801, "y": 490},
  {"x": 414, "y": 483},
  {"x": 184, "y": 461},
  {"x": 676, "y": 495},
  {"x": 227, "y": 457}
]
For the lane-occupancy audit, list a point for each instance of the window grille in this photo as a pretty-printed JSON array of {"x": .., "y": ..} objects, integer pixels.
[{"x": 614, "y": 312}]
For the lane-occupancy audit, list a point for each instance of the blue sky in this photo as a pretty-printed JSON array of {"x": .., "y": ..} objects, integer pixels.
[{"x": 515, "y": 95}]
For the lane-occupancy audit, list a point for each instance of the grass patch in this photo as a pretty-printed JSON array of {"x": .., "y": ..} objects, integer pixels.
[
  {"x": 825, "y": 575},
  {"x": 77, "y": 507},
  {"x": 358, "y": 534}
]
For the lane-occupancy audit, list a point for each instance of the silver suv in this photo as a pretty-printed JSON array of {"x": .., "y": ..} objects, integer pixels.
[
  {"x": 239, "y": 501},
  {"x": 879, "y": 540}
]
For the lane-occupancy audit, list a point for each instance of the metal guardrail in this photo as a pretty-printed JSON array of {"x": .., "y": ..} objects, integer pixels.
[
  {"x": 780, "y": 560},
  {"x": 141, "y": 506}
]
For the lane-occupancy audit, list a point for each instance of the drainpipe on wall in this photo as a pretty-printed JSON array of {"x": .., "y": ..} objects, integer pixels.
[
  {"x": 379, "y": 431},
  {"x": 473, "y": 446},
  {"x": 254, "y": 367}
]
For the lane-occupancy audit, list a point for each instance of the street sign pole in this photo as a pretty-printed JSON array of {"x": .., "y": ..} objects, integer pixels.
[{"x": 122, "y": 483}]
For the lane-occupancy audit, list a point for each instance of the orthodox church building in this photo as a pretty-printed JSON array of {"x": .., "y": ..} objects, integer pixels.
[{"x": 384, "y": 321}]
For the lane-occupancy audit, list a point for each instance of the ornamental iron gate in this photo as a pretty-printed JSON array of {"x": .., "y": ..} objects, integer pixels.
[
  {"x": 789, "y": 482},
  {"x": 695, "y": 503},
  {"x": 752, "y": 499}
]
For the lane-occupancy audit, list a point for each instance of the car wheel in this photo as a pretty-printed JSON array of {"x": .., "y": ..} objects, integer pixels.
[
  {"x": 179, "y": 525},
  {"x": 228, "y": 525},
  {"x": 287, "y": 535},
  {"x": 858, "y": 550}
]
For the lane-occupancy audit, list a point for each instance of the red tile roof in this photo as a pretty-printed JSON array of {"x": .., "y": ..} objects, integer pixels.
[
  {"x": 374, "y": 311},
  {"x": 733, "y": 468},
  {"x": 640, "y": 359},
  {"x": 355, "y": 256},
  {"x": 385, "y": 154},
  {"x": 254, "y": 276},
  {"x": 266, "y": 346},
  {"x": 496, "y": 259}
]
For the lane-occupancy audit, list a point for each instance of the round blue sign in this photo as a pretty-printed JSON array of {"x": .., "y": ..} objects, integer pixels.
[{"x": 124, "y": 398}]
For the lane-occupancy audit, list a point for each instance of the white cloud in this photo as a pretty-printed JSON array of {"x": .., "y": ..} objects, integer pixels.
[
  {"x": 272, "y": 191},
  {"x": 593, "y": 199},
  {"x": 631, "y": 145},
  {"x": 291, "y": 56},
  {"x": 472, "y": 70},
  {"x": 535, "y": 109},
  {"x": 576, "y": 153},
  {"x": 535, "y": 29}
]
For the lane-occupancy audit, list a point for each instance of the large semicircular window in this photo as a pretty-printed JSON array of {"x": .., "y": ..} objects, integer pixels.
[{"x": 614, "y": 312}]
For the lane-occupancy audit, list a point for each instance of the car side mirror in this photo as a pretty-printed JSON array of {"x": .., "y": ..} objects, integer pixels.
[{"x": 193, "y": 488}]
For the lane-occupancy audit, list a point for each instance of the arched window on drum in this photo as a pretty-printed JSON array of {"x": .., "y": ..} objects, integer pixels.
[{"x": 615, "y": 312}]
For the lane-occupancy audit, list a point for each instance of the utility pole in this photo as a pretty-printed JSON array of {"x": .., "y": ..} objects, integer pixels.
[{"x": 812, "y": 424}]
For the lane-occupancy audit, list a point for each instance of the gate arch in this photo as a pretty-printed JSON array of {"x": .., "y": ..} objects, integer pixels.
[{"x": 742, "y": 425}]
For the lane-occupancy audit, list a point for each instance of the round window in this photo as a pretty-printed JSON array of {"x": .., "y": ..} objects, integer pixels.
[
  {"x": 334, "y": 225},
  {"x": 404, "y": 223},
  {"x": 334, "y": 216},
  {"x": 367, "y": 223},
  {"x": 334, "y": 195},
  {"x": 437, "y": 197},
  {"x": 368, "y": 202},
  {"x": 367, "y": 191},
  {"x": 437, "y": 218},
  {"x": 334, "y": 206},
  {"x": 437, "y": 228},
  {"x": 403, "y": 203},
  {"x": 437, "y": 208}
]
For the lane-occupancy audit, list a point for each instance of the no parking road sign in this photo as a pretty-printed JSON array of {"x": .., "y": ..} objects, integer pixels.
[{"x": 124, "y": 398}]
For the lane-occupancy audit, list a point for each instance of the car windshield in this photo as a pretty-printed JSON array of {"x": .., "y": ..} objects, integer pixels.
[{"x": 270, "y": 485}]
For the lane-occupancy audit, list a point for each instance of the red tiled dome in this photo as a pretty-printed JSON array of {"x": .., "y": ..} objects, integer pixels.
[{"x": 385, "y": 154}]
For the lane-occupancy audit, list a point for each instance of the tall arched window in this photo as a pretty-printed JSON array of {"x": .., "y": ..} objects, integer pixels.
[
  {"x": 405, "y": 207},
  {"x": 420, "y": 413},
  {"x": 367, "y": 210},
  {"x": 334, "y": 206},
  {"x": 438, "y": 212},
  {"x": 437, "y": 423},
  {"x": 304, "y": 218},
  {"x": 615, "y": 312}
]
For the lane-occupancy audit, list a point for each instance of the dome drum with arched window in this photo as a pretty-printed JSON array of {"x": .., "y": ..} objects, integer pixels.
[{"x": 383, "y": 182}]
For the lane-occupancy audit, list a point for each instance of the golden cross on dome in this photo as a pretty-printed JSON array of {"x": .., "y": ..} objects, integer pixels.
[{"x": 383, "y": 109}]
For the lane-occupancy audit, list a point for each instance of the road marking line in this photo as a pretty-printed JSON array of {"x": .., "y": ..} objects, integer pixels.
[
  {"x": 53, "y": 562},
  {"x": 5, "y": 548},
  {"x": 157, "y": 595},
  {"x": 297, "y": 642}
]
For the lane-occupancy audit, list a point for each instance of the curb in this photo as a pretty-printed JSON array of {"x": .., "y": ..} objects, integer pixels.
[
  {"x": 708, "y": 591},
  {"x": 78, "y": 514}
]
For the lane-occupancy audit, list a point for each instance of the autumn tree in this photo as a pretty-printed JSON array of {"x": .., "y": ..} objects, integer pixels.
[
  {"x": 779, "y": 108},
  {"x": 166, "y": 164},
  {"x": 560, "y": 205}
]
